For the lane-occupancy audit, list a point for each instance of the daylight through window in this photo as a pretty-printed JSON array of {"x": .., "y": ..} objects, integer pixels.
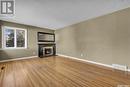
[{"x": 14, "y": 37}]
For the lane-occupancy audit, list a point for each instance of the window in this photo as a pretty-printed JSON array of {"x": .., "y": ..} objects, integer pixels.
[{"x": 14, "y": 37}]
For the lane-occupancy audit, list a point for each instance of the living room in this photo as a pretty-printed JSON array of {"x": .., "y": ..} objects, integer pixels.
[{"x": 59, "y": 43}]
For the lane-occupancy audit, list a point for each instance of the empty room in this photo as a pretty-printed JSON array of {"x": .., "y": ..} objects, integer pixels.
[{"x": 64, "y": 43}]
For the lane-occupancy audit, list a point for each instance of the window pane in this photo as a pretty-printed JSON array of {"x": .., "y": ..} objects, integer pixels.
[
  {"x": 20, "y": 38},
  {"x": 9, "y": 36}
]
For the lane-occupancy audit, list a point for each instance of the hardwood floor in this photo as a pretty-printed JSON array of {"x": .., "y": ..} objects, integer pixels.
[{"x": 58, "y": 71}]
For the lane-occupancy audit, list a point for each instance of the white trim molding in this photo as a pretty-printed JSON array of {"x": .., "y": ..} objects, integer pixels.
[
  {"x": 22, "y": 58},
  {"x": 101, "y": 64}
]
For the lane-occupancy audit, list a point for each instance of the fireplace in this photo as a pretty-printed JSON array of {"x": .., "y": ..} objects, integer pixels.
[
  {"x": 46, "y": 44},
  {"x": 46, "y": 50}
]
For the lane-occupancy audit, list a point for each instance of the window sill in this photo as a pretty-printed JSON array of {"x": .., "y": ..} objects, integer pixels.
[{"x": 13, "y": 48}]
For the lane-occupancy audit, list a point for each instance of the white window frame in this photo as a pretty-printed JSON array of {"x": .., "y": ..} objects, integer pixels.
[{"x": 15, "y": 37}]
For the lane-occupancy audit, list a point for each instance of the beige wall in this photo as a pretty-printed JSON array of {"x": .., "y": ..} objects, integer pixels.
[
  {"x": 105, "y": 39},
  {"x": 32, "y": 49}
]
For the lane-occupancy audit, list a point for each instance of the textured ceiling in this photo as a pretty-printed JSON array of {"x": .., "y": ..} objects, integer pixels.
[{"x": 55, "y": 14}]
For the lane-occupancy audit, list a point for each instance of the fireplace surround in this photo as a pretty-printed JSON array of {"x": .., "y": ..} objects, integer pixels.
[{"x": 46, "y": 49}]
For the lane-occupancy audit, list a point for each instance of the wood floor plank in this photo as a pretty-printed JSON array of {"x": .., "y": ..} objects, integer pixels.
[{"x": 58, "y": 71}]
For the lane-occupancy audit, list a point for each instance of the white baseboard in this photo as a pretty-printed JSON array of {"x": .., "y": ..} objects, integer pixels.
[
  {"x": 106, "y": 65},
  {"x": 18, "y": 59},
  {"x": 128, "y": 70}
]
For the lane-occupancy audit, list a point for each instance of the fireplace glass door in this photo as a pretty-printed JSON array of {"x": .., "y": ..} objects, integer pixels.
[{"x": 47, "y": 51}]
